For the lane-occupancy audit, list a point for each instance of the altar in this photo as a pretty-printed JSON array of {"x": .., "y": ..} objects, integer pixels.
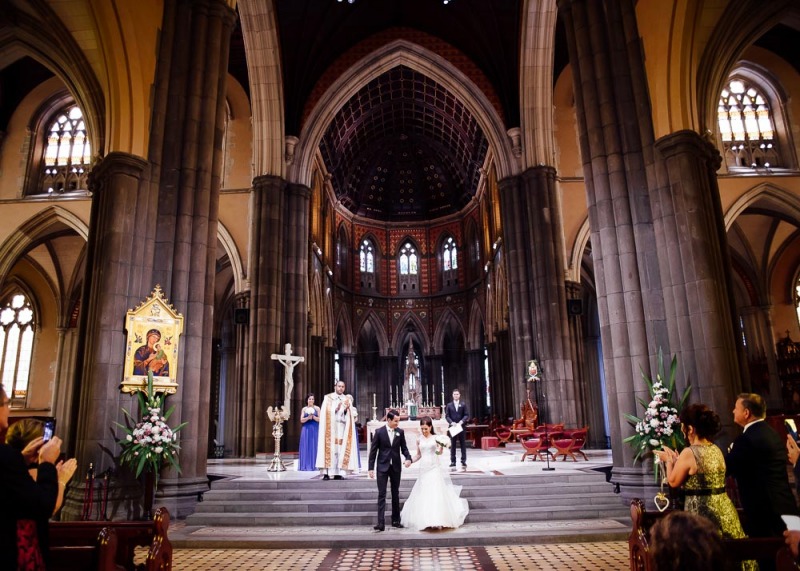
[{"x": 410, "y": 428}]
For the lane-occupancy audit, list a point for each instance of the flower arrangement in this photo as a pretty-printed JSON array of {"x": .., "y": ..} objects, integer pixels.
[
  {"x": 442, "y": 442},
  {"x": 149, "y": 442},
  {"x": 661, "y": 424}
]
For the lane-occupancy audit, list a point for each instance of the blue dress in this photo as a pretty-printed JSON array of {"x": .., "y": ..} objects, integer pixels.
[{"x": 308, "y": 444}]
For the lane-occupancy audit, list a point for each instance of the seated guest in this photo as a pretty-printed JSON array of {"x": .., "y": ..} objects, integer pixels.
[
  {"x": 683, "y": 541},
  {"x": 26, "y": 498}
]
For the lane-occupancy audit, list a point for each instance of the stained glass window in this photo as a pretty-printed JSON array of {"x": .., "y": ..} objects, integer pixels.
[
  {"x": 67, "y": 153},
  {"x": 746, "y": 126}
]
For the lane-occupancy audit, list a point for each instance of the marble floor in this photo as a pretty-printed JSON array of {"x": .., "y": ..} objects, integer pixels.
[
  {"x": 609, "y": 556},
  {"x": 569, "y": 555}
]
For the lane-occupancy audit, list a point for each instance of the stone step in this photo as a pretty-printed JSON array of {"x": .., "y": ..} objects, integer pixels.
[
  {"x": 369, "y": 492},
  {"x": 542, "y": 513},
  {"x": 261, "y": 505}
]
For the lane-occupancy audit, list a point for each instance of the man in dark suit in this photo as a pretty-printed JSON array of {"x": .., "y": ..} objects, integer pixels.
[
  {"x": 757, "y": 459},
  {"x": 457, "y": 413},
  {"x": 388, "y": 443}
]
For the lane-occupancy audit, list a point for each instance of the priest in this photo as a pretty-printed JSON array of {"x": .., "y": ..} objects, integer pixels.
[{"x": 337, "y": 447}]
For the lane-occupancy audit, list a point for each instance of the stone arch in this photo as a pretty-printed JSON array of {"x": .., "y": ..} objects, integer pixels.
[
  {"x": 53, "y": 46},
  {"x": 410, "y": 320},
  {"x": 578, "y": 247},
  {"x": 413, "y": 56},
  {"x": 447, "y": 321},
  {"x": 262, "y": 46},
  {"x": 741, "y": 24},
  {"x": 380, "y": 331},
  {"x": 476, "y": 326},
  {"x": 36, "y": 227},
  {"x": 229, "y": 245},
  {"x": 536, "y": 81},
  {"x": 344, "y": 331},
  {"x": 784, "y": 200}
]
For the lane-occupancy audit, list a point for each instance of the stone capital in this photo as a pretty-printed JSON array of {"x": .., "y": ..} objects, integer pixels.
[{"x": 690, "y": 143}]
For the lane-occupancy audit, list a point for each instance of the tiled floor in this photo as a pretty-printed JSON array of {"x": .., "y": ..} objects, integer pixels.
[{"x": 608, "y": 556}]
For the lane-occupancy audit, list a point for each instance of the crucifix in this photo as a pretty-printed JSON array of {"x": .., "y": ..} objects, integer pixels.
[
  {"x": 289, "y": 362},
  {"x": 279, "y": 414}
]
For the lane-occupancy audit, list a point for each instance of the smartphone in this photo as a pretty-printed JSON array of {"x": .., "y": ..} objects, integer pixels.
[
  {"x": 791, "y": 427},
  {"x": 49, "y": 429}
]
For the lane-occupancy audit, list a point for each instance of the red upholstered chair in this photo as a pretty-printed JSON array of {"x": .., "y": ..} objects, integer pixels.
[
  {"x": 503, "y": 434},
  {"x": 535, "y": 447},
  {"x": 570, "y": 445}
]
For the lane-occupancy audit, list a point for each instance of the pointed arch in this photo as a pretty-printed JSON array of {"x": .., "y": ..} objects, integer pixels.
[
  {"x": 785, "y": 201},
  {"x": 380, "y": 331},
  {"x": 344, "y": 331},
  {"x": 448, "y": 321},
  {"x": 476, "y": 326},
  {"x": 405, "y": 53},
  {"x": 32, "y": 230},
  {"x": 413, "y": 321},
  {"x": 500, "y": 321},
  {"x": 578, "y": 247},
  {"x": 232, "y": 252}
]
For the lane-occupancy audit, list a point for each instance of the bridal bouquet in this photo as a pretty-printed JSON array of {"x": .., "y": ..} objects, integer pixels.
[{"x": 442, "y": 442}]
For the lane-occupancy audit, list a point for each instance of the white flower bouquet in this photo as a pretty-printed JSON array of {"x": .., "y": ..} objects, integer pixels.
[
  {"x": 442, "y": 442},
  {"x": 661, "y": 424},
  {"x": 149, "y": 442}
]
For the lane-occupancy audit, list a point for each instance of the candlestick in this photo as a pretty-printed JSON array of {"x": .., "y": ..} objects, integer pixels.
[{"x": 373, "y": 399}]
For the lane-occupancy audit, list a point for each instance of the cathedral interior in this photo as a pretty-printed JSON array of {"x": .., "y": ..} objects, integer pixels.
[{"x": 448, "y": 188}]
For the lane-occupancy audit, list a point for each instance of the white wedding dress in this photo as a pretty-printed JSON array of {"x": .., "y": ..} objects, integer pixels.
[{"x": 434, "y": 500}]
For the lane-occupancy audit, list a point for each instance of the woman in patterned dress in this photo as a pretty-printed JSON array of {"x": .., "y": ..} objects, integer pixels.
[{"x": 700, "y": 469}]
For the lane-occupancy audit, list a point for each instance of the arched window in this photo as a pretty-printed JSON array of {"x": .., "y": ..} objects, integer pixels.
[
  {"x": 747, "y": 126},
  {"x": 449, "y": 263},
  {"x": 66, "y": 154},
  {"x": 17, "y": 326},
  {"x": 409, "y": 268},
  {"x": 367, "y": 257}
]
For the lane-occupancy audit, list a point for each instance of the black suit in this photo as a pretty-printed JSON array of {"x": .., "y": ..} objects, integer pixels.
[
  {"x": 387, "y": 452},
  {"x": 758, "y": 462},
  {"x": 455, "y": 416},
  {"x": 24, "y": 498}
]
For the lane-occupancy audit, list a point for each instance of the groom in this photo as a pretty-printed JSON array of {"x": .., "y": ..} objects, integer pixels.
[{"x": 387, "y": 444}]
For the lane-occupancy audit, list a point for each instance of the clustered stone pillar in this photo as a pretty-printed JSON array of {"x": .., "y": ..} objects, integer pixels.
[
  {"x": 658, "y": 237},
  {"x": 539, "y": 329},
  {"x": 266, "y": 313},
  {"x": 186, "y": 154},
  {"x": 235, "y": 402},
  {"x": 296, "y": 261},
  {"x": 118, "y": 274}
]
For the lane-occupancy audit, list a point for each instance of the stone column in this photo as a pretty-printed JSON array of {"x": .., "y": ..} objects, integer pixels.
[
  {"x": 186, "y": 150},
  {"x": 476, "y": 395},
  {"x": 236, "y": 427},
  {"x": 696, "y": 270},
  {"x": 611, "y": 105},
  {"x": 296, "y": 262},
  {"x": 760, "y": 350},
  {"x": 118, "y": 274},
  {"x": 266, "y": 313},
  {"x": 575, "y": 318},
  {"x": 533, "y": 242}
]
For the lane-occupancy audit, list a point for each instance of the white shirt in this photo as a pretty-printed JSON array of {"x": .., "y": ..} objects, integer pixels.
[
  {"x": 749, "y": 424},
  {"x": 456, "y": 403},
  {"x": 391, "y": 435}
]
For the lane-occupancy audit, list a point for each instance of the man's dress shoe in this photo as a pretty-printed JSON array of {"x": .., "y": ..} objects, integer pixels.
[
  {"x": 378, "y": 528},
  {"x": 397, "y": 524},
  {"x": 338, "y": 477},
  {"x": 326, "y": 477}
]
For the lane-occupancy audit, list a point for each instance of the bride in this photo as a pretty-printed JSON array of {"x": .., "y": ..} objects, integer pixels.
[{"x": 434, "y": 500}]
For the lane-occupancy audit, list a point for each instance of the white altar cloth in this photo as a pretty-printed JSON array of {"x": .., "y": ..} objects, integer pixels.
[{"x": 410, "y": 428}]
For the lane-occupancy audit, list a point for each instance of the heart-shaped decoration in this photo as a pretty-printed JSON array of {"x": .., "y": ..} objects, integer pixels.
[{"x": 661, "y": 501}]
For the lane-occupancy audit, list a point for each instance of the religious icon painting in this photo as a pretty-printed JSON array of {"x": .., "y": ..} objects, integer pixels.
[{"x": 152, "y": 343}]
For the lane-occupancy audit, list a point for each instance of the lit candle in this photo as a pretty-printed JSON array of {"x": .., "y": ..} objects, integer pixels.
[{"x": 373, "y": 399}]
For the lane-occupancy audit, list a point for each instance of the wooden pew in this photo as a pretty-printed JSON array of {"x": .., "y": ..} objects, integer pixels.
[
  {"x": 737, "y": 549},
  {"x": 87, "y": 544}
]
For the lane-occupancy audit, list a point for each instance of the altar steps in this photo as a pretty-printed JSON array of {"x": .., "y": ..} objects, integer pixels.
[{"x": 540, "y": 498}]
